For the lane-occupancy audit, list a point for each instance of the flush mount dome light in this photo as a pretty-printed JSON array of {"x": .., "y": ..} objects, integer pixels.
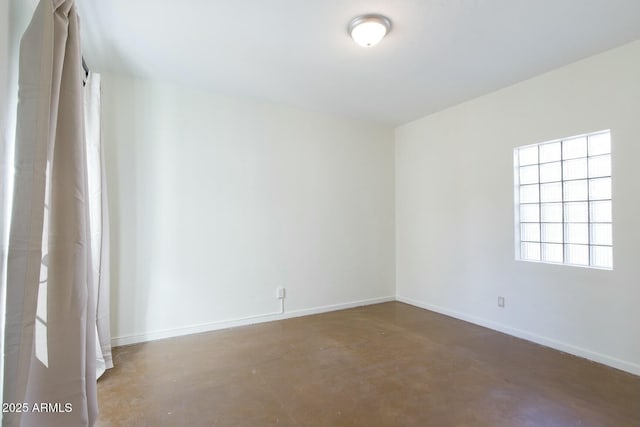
[{"x": 368, "y": 30}]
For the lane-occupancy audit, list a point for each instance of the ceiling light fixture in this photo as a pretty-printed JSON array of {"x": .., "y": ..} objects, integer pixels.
[{"x": 368, "y": 30}]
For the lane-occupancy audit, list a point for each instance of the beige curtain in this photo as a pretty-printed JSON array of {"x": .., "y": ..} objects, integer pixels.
[{"x": 50, "y": 335}]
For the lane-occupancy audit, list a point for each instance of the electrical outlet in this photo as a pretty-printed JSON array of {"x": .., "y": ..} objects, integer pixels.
[
  {"x": 501, "y": 302},
  {"x": 280, "y": 293}
]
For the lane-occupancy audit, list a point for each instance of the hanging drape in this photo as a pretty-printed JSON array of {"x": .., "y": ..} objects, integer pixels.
[
  {"x": 98, "y": 219},
  {"x": 51, "y": 330}
]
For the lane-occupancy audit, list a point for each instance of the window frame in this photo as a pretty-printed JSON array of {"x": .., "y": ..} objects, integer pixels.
[{"x": 588, "y": 204}]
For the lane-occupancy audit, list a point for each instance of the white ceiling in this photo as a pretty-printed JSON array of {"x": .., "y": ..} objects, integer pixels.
[{"x": 298, "y": 53}]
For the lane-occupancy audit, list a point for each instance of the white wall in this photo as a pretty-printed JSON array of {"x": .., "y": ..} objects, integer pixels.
[
  {"x": 454, "y": 211},
  {"x": 217, "y": 201},
  {"x": 6, "y": 104}
]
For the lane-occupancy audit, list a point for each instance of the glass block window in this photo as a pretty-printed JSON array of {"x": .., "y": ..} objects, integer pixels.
[{"x": 563, "y": 201}]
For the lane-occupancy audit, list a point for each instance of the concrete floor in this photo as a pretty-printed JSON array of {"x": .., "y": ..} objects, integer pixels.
[{"x": 383, "y": 365}]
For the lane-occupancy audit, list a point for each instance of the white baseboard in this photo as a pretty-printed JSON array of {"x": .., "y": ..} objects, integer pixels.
[
  {"x": 623, "y": 365},
  {"x": 230, "y": 323}
]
